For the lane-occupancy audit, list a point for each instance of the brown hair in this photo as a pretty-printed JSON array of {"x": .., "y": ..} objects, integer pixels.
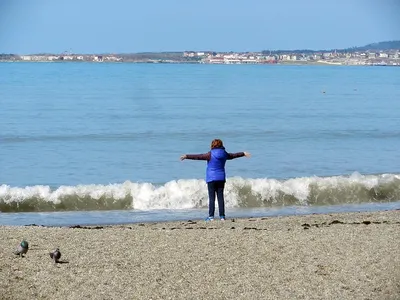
[{"x": 217, "y": 143}]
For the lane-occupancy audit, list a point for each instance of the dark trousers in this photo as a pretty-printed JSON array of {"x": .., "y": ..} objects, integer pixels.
[{"x": 216, "y": 187}]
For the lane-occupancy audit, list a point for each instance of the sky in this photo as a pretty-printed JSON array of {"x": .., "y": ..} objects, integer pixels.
[{"x": 129, "y": 26}]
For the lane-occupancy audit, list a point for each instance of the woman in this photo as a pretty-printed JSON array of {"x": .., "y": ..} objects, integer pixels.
[{"x": 215, "y": 174}]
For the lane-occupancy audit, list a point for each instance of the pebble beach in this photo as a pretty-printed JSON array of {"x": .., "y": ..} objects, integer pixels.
[{"x": 331, "y": 256}]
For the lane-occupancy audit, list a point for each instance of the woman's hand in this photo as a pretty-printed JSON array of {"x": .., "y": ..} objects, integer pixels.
[
  {"x": 247, "y": 154},
  {"x": 183, "y": 157}
]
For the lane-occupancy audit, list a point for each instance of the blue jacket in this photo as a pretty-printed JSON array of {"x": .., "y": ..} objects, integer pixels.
[
  {"x": 216, "y": 165},
  {"x": 216, "y": 160}
]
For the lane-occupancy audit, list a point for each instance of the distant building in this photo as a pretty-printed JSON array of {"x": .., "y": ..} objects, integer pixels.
[
  {"x": 98, "y": 58},
  {"x": 216, "y": 60},
  {"x": 189, "y": 54}
]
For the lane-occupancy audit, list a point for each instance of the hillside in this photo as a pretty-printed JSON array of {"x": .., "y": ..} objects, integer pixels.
[
  {"x": 381, "y": 46},
  {"x": 389, "y": 45}
]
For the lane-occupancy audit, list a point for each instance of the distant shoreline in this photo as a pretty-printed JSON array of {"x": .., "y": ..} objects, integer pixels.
[
  {"x": 295, "y": 57},
  {"x": 286, "y": 63}
]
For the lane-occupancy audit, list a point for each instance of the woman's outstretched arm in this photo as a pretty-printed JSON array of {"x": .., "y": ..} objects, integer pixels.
[
  {"x": 238, "y": 154},
  {"x": 204, "y": 156}
]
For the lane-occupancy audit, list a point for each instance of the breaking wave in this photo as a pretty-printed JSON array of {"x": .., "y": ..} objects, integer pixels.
[{"x": 192, "y": 193}]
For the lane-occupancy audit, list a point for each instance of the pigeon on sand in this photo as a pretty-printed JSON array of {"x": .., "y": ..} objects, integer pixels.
[
  {"x": 55, "y": 255},
  {"x": 22, "y": 249}
]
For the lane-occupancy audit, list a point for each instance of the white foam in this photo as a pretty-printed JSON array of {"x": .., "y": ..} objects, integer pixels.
[{"x": 192, "y": 193}]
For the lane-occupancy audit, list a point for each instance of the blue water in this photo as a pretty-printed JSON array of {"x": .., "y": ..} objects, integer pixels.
[{"x": 86, "y": 136}]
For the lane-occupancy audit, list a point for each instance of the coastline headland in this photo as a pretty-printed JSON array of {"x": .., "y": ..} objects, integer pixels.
[{"x": 381, "y": 54}]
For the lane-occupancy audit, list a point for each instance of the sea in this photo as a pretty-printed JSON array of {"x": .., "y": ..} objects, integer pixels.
[{"x": 99, "y": 143}]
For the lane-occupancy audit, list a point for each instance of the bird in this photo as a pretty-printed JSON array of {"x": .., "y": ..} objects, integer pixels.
[
  {"x": 22, "y": 248},
  {"x": 55, "y": 255}
]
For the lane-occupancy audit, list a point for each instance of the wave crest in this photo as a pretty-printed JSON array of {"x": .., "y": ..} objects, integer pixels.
[{"x": 192, "y": 193}]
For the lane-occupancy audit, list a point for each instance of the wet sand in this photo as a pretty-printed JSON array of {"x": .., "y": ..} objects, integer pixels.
[{"x": 333, "y": 256}]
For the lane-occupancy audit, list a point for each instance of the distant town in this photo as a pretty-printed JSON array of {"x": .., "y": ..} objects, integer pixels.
[{"x": 378, "y": 54}]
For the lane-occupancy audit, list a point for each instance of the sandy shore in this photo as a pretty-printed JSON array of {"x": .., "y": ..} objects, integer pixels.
[{"x": 336, "y": 256}]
